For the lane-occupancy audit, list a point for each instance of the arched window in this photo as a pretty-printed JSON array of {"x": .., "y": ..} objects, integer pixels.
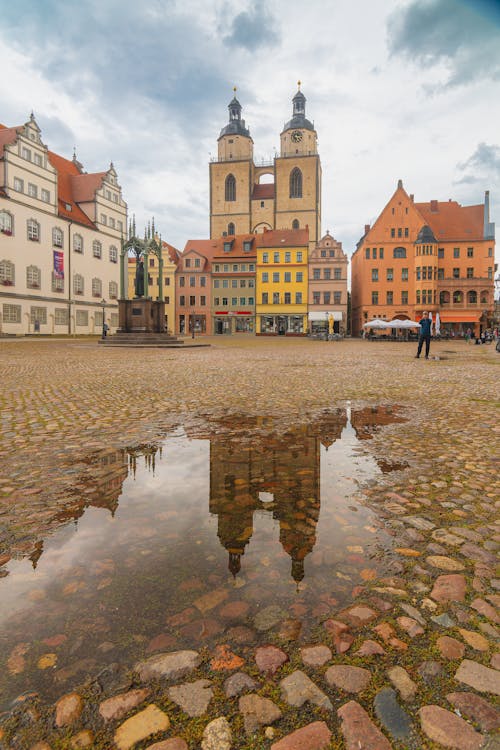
[
  {"x": 33, "y": 230},
  {"x": 457, "y": 298},
  {"x": 96, "y": 287},
  {"x": 230, "y": 229},
  {"x": 399, "y": 252},
  {"x": 472, "y": 298},
  {"x": 296, "y": 183},
  {"x": 7, "y": 273},
  {"x": 78, "y": 243},
  {"x": 57, "y": 237},
  {"x": 33, "y": 277},
  {"x": 444, "y": 298},
  {"x": 295, "y": 224},
  {"x": 484, "y": 297},
  {"x": 6, "y": 223},
  {"x": 97, "y": 249},
  {"x": 230, "y": 188},
  {"x": 78, "y": 286},
  {"x": 113, "y": 254},
  {"x": 113, "y": 289}
]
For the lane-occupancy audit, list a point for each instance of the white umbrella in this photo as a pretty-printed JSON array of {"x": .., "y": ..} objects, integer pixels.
[
  {"x": 398, "y": 323},
  {"x": 437, "y": 324},
  {"x": 377, "y": 323}
]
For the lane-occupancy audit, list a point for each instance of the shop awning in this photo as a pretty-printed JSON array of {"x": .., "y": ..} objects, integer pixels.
[{"x": 468, "y": 317}]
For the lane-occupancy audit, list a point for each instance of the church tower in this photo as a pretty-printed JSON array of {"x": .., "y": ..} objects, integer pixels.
[
  {"x": 298, "y": 174},
  {"x": 282, "y": 194},
  {"x": 231, "y": 177}
]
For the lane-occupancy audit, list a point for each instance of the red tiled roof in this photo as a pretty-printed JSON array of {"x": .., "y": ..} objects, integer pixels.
[
  {"x": 237, "y": 241},
  {"x": 283, "y": 238},
  {"x": 451, "y": 221},
  {"x": 66, "y": 170},
  {"x": 207, "y": 248},
  {"x": 8, "y": 136},
  {"x": 262, "y": 191}
]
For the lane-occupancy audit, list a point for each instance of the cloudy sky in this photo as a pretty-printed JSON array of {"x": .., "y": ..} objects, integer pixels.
[{"x": 404, "y": 89}]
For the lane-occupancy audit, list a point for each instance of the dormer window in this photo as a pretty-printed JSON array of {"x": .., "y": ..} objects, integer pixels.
[
  {"x": 227, "y": 247},
  {"x": 247, "y": 246}
]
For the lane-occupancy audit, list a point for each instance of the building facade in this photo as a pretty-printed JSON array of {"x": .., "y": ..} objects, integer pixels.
[
  {"x": 247, "y": 198},
  {"x": 436, "y": 256},
  {"x": 327, "y": 297},
  {"x": 282, "y": 283},
  {"x": 233, "y": 285},
  {"x": 192, "y": 288},
  {"x": 60, "y": 234}
]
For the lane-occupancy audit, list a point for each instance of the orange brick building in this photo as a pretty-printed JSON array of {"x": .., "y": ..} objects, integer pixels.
[{"x": 436, "y": 256}]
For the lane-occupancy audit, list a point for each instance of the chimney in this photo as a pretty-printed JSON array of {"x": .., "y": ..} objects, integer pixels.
[
  {"x": 367, "y": 228},
  {"x": 489, "y": 227},
  {"x": 412, "y": 197},
  {"x": 400, "y": 184},
  {"x": 434, "y": 207}
]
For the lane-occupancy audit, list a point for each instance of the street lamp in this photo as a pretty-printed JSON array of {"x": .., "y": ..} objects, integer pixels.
[
  {"x": 103, "y": 305},
  {"x": 326, "y": 325}
]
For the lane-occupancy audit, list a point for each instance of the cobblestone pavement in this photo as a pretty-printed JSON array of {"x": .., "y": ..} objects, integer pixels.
[{"x": 412, "y": 663}]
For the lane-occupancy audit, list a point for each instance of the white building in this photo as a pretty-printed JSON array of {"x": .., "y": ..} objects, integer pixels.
[{"x": 60, "y": 235}]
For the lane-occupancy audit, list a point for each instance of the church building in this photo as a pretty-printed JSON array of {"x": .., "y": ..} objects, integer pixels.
[{"x": 285, "y": 193}]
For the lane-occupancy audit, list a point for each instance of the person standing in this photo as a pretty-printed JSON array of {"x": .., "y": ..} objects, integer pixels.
[{"x": 425, "y": 335}]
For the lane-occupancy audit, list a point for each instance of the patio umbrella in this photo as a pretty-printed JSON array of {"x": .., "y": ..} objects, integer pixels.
[
  {"x": 398, "y": 323},
  {"x": 376, "y": 323},
  {"x": 437, "y": 324}
]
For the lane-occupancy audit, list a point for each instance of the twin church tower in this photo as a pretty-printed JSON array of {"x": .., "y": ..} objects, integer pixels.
[{"x": 246, "y": 198}]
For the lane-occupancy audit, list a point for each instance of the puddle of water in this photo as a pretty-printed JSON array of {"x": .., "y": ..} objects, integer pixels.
[{"x": 185, "y": 543}]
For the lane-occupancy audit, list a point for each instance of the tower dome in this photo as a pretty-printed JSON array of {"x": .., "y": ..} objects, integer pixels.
[
  {"x": 235, "y": 126},
  {"x": 299, "y": 119}
]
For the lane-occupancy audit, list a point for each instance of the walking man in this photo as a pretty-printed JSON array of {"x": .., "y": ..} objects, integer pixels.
[{"x": 425, "y": 335}]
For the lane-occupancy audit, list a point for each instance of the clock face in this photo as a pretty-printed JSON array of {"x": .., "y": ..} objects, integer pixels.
[{"x": 296, "y": 136}]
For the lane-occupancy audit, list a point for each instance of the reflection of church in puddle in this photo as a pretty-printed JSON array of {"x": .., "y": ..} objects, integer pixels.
[{"x": 253, "y": 468}]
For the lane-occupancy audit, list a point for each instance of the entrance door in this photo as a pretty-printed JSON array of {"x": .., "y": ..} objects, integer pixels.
[
  {"x": 219, "y": 326},
  {"x": 282, "y": 321}
]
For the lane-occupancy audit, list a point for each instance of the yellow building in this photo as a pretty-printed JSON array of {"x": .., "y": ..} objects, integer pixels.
[
  {"x": 282, "y": 282},
  {"x": 248, "y": 197},
  {"x": 170, "y": 258}
]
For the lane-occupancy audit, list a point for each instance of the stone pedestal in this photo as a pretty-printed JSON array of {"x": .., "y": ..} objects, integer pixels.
[{"x": 141, "y": 315}]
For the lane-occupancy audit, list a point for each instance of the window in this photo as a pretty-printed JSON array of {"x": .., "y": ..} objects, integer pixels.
[
  {"x": 332, "y": 254},
  {"x": 96, "y": 287},
  {"x": 295, "y": 184},
  {"x": 11, "y": 313},
  {"x": 187, "y": 263},
  {"x": 288, "y": 257},
  {"x": 6, "y": 223},
  {"x": 276, "y": 298},
  {"x": 472, "y": 298},
  {"x": 490, "y": 272},
  {"x": 251, "y": 267},
  {"x": 323, "y": 253},
  {"x": 250, "y": 300},
  {"x": 404, "y": 274},
  {"x": 440, "y": 274},
  {"x": 33, "y": 277},
  {"x": 295, "y": 224},
  {"x": 182, "y": 300},
  {"x": 225, "y": 268},
  {"x": 18, "y": 185},
  {"x": 326, "y": 298},
  {"x": 78, "y": 243},
  {"x": 225, "y": 283},
  {"x": 490, "y": 252},
  {"x": 399, "y": 252},
  {"x": 113, "y": 254},
  {"x": 276, "y": 277},
  {"x": 113, "y": 290},
  {"x": 230, "y": 228},
  {"x": 337, "y": 298},
  {"x": 203, "y": 280},
  {"x": 230, "y": 189},
  {"x": 235, "y": 268},
  {"x": 33, "y": 230},
  {"x": 203, "y": 300},
  {"x": 299, "y": 256},
  {"x": 367, "y": 253},
  {"x": 166, "y": 280},
  {"x": 243, "y": 283},
  {"x": 243, "y": 300},
  {"x": 406, "y": 231},
  {"x": 216, "y": 301},
  {"x": 104, "y": 219},
  {"x": 32, "y": 190},
  {"x": 316, "y": 298},
  {"x": 418, "y": 272},
  {"x": 390, "y": 274},
  {"x": 234, "y": 301},
  {"x": 26, "y": 153},
  {"x": 374, "y": 274},
  {"x": 456, "y": 252},
  {"x": 82, "y": 318},
  {"x": 192, "y": 281},
  {"x": 7, "y": 273},
  {"x": 247, "y": 246},
  {"x": 470, "y": 273},
  {"x": 262, "y": 204},
  {"x": 265, "y": 277},
  {"x": 390, "y": 298},
  {"x": 288, "y": 298},
  {"x": 225, "y": 301},
  {"x": 381, "y": 253},
  {"x": 316, "y": 273},
  {"x": 216, "y": 283},
  {"x": 337, "y": 274},
  {"x": 57, "y": 282},
  {"x": 327, "y": 274},
  {"x": 470, "y": 252},
  {"x": 96, "y": 249},
  {"x": 182, "y": 281},
  {"x": 424, "y": 273},
  {"x": 57, "y": 237},
  {"x": 418, "y": 296},
  {"x": 227, "y": 247},
  {"x": 234, "y": 283},
  {"x": 78, "y": 285},
  {"x": 276, "y": 257},
  {"x": 287, "y": 277},
  {"x": 393, "y": 232},
  {"x": 299, "y": 276},
  {"x": 119, "y": 226},
  {"x": 456, "y": 273},
  {"x": 192, "y": 300},
  {"x": 374, "y": 253},
  {"x": 151, "y": 262},
  {"x": 265, "y": 257},
  {"x": 400, "y": 232},
  {"x": 265, "y": 298},
  {"x": 298, "y": 298},
  {"x": 440, "y": 252},
  {"x": 38, "y": 314},
  {"x": 457, "y": 298},
  {"x": 374, "y": 298},
  {"x": 404, "y": 297}
]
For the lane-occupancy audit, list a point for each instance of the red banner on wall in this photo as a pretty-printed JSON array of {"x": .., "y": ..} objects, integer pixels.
[{"x": 58, "y": 264}]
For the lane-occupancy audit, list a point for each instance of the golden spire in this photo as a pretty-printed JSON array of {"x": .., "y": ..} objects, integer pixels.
[{"x": 298, "y": 84}]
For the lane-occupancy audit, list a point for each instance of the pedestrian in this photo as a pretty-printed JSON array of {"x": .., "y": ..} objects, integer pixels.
[
  {"x": 105, "y": 330},
  {"x": 425, "y": 335}
]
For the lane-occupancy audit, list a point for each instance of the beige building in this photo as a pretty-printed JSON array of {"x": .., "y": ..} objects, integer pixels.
[
  {"x": 170, "y": 258},
  {"x": 248, "y": 198},
  {"x": 60, "y": 234},
  {"x": 328, "y": 287}
]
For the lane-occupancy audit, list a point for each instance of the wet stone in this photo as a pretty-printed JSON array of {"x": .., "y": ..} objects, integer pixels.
[
  {"x": 238, "y": 683},
  {"x": 68, "y": 709},
  {"x": 315, "y": 736},
  {"x": 257, "y": 712},
  {"x": 117, "y": 706},
  {"x": 391, "y": 715},
  {"x": 449, "y": 588},
  {"x": 414, "y": 613},
  {"x": 315, "y": 656},
  {"x": 297, "y": 689},
  {"x": 234, "y": 610},
  {"x": 358, "y": 729},
  {"x": 477, "y": 708},
  {"x": 140, "y": 726},
  {"x": 269, "y": 659},
  {"x": 224, "y": 658},
  {"x": 192, "y": 697},
  {"x": 83, "y": 739},
  {"x": 268, "y": 618},
  {"x": 350, "y": 679},
  {"x": 477, "y": 676},
  {"x": 444, "y": 563},
  {"x": 217, "y": 735},
  {"x": 358, "y": 615},
  {"x": 241, "y": 635},
  {"x": 290, "y": 630},
  {"x": 411, "y": 626},
  {"x": 448, "y": 729},
  {"x": 171, "y": 666}
]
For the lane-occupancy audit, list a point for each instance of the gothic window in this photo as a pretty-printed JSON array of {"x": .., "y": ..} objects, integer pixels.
[
  {"x": 230, "y": 229},
  {"x": 296, "y": 183},
  {"x": 399, "y": 252},
  {"x": 295, "y": 224},
  {"x": 230, "y": 188}
]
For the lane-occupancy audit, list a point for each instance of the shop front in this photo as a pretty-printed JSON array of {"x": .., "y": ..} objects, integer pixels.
[
  {"x": 282, "y": 325},
  {"x": 322, "y": 322},
  {"x": 234, "y": 322},
  {"x": 458, "y": 324}
]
